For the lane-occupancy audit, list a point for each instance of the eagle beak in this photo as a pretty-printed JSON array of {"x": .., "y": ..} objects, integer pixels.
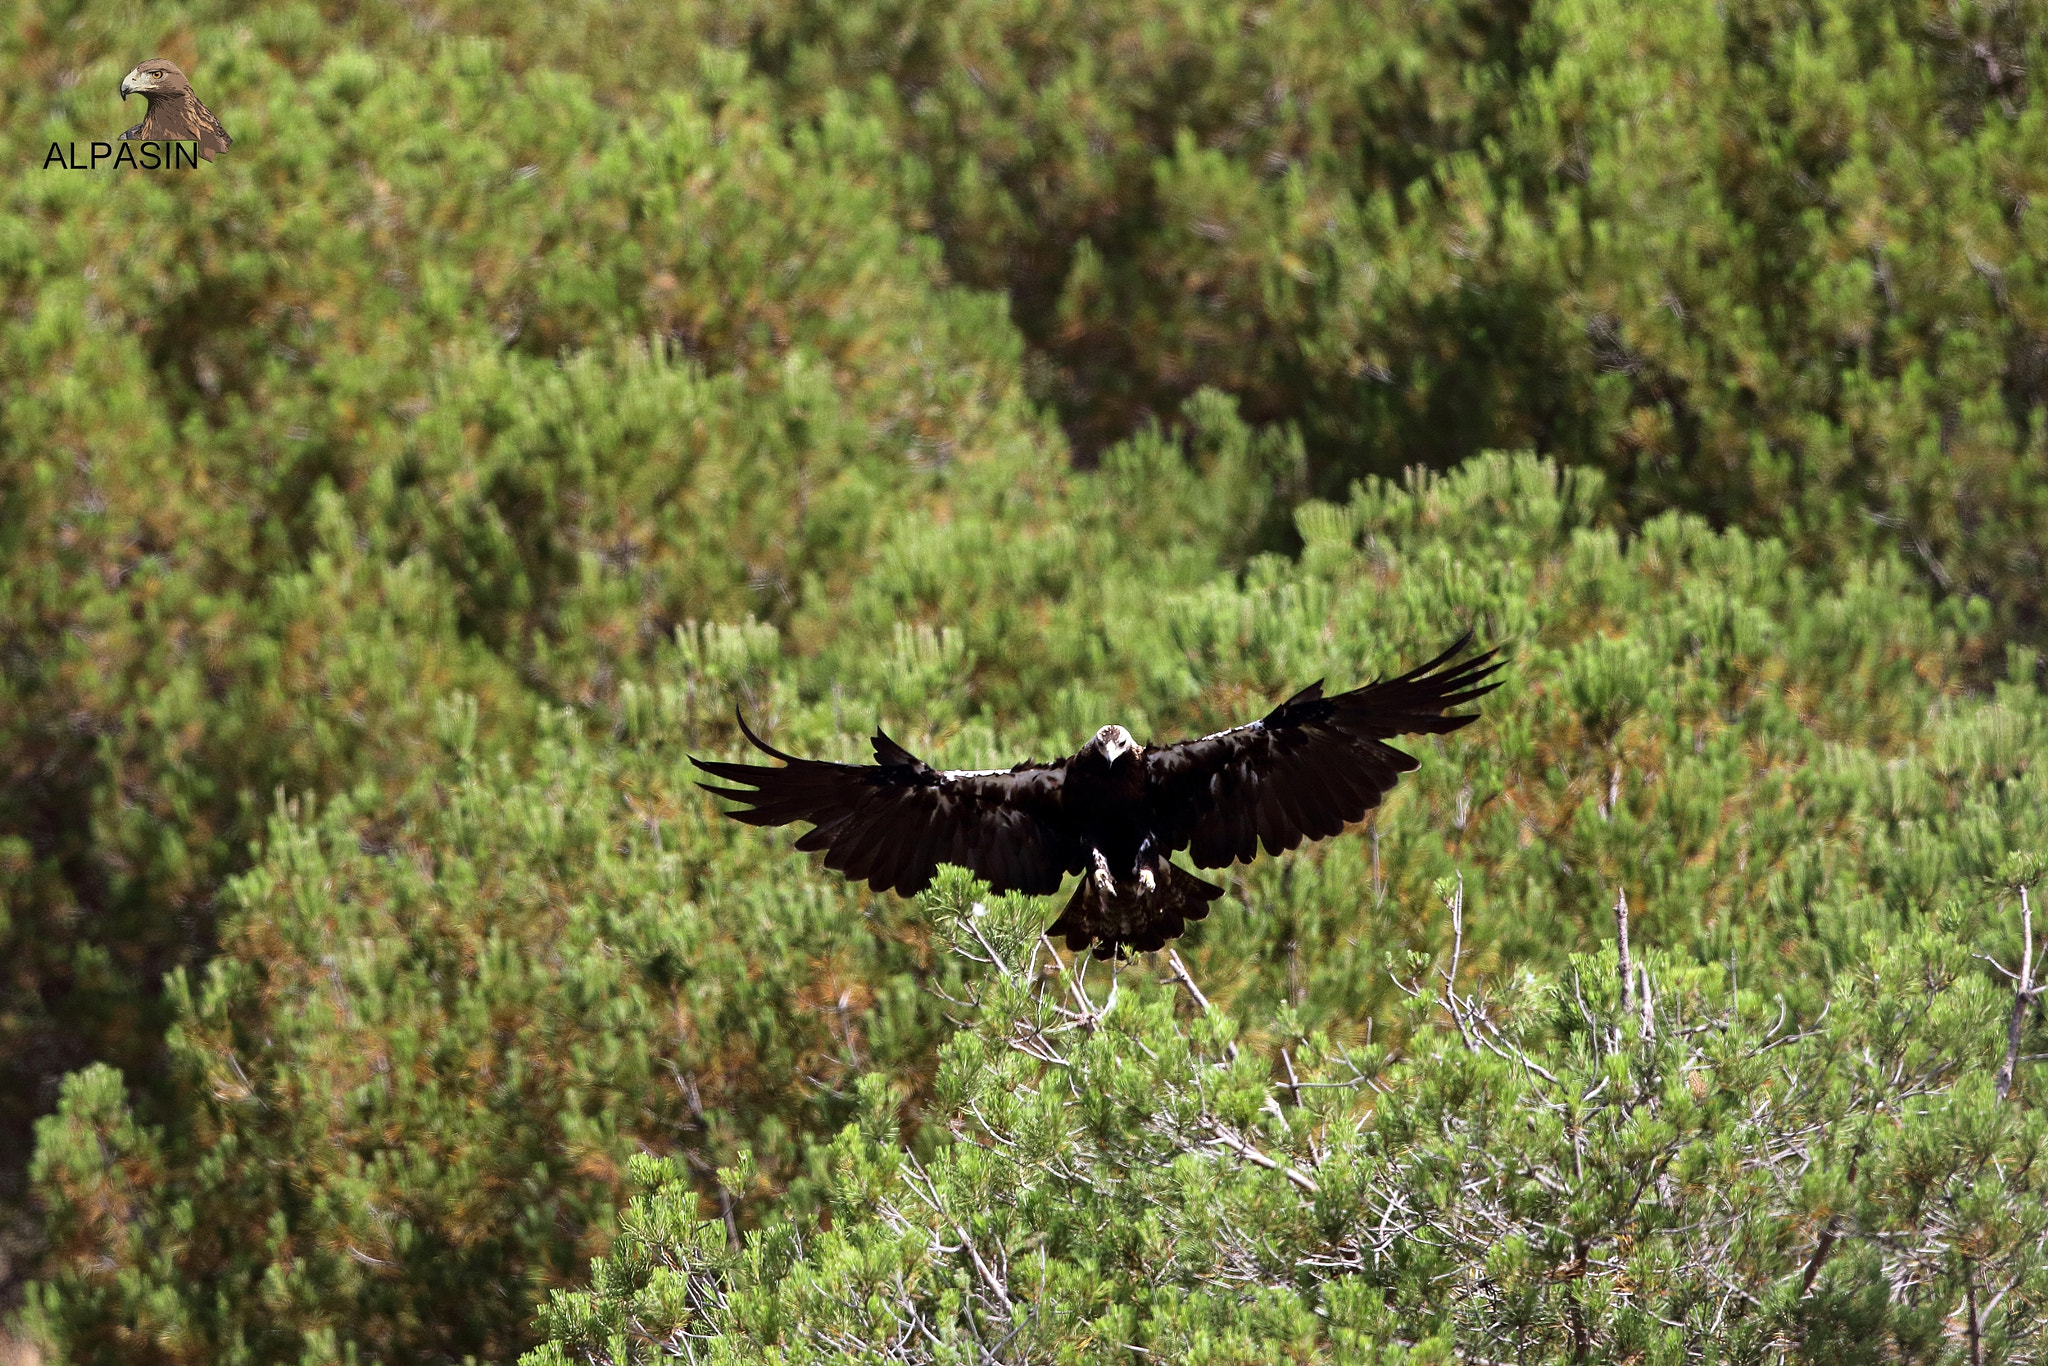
[{"x": 131, "y": 83}]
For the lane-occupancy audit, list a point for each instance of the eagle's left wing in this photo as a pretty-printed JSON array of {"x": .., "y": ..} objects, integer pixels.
[
  {"x": 1309, "y": 767},
  {"x": 892, "y": 823}
]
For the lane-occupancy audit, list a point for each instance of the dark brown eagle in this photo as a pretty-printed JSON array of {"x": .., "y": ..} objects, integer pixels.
[
  {"x": 175, "y": 113},
  {"x": 1114, "y": 811}
]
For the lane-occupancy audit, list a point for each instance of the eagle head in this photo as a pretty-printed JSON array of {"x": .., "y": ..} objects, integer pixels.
[
  {"x": 157, "y": 76},
  {"x": 1113, "y": 743}
]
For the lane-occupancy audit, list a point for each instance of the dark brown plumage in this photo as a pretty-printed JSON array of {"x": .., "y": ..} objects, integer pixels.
[
  {"x": 1115, "y": 810},
  {"x": 175, "y": 113}
]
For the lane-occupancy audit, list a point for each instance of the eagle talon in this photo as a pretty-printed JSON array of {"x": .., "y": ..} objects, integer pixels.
[{"x": 1105, "y": 881}]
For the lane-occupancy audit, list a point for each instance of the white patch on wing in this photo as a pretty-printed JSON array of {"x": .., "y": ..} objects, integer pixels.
[
  {"x": 1222, "y": 734},
  {"x": 973, "y": 772}
]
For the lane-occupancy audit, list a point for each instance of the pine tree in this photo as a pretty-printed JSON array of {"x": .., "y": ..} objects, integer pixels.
[{"x": 1637, "y": 1159}]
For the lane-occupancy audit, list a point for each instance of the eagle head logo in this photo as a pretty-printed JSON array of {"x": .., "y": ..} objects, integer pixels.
[{"x": 175, "y": 114}]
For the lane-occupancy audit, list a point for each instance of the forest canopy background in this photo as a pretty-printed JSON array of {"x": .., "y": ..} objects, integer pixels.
[{"x": 386, "y": 508}]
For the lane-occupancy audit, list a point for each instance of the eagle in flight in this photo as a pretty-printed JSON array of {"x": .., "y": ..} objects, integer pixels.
[
  {"x": 175, "y": 113},
  {"x": 1114, "y": 811}
]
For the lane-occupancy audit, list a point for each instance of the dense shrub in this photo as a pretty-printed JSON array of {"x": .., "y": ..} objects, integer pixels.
[
  {"x": 442, "y": 381},
  {"x": 1553, "y": 1168},
  {"x": 531, "y": 380},
  {"x": 428, "y": 1049},
  {"x": 1770, "y": 263}
]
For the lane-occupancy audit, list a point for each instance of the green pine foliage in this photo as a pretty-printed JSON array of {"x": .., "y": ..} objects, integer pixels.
[
  {"x": 372, "y": 412},
  {"x": 390, "y": 507},
  {"x": 1770, "y": 263},
  {"x": 1766, "y": 262},
  {"x": 414, "y": 1072},
  {"x": 1561, "y": 1168},
  {"x": 429, "y": 1050}
]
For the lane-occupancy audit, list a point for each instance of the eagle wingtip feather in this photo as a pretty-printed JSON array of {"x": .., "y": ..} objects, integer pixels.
[{"x": 733, "y": 793}]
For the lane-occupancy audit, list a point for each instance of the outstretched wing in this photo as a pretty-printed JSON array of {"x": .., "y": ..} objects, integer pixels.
[
  {"x": 893, "y": 822},
  {"x": 1308, "y": 768}
]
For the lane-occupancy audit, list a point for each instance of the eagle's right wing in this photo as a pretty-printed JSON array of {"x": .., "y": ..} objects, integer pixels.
[{"x": 893, "y": 822}]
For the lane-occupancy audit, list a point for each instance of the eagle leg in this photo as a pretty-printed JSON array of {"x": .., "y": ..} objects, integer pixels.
[
  {"x": 1131, "y": 917},
  {"x": 1148, "y": 856},
  {"x": 1105, "y": 881}
]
